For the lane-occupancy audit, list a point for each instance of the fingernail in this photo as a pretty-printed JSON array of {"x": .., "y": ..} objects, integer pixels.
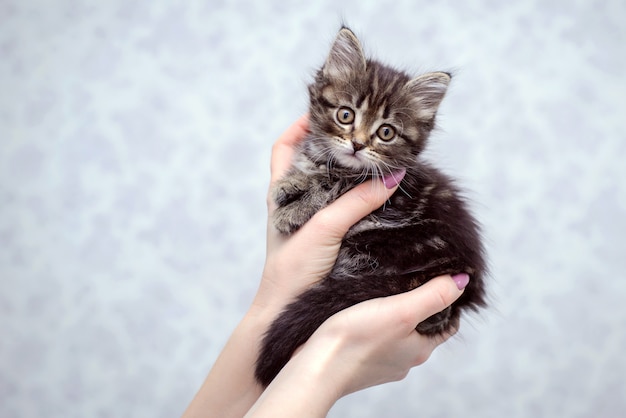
[
  {"x": 461, "y": 280},
  {"x": 392, "y": 180}
]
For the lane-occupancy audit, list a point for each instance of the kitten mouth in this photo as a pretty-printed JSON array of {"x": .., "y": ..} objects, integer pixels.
[{"x": 353, "y": 159}]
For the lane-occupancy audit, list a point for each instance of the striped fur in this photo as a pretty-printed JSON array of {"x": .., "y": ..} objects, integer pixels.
[{"x": 425, "y": 230}]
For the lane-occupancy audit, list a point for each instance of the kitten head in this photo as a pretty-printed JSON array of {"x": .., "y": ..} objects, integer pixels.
[{"x": 368, "y": 118}]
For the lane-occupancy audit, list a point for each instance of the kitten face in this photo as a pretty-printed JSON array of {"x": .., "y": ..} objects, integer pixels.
[{"x": 369, "y": 118}]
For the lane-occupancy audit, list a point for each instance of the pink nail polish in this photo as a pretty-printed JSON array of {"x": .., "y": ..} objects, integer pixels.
[
  {"x": 393, "y": 179},
  {"x": 461, "y": 280}
]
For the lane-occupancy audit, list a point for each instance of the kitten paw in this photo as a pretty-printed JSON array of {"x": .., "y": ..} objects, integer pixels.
[
  {"x": 283, "y": 196},
  {"x": 283, "y": 223},
  {"x": 288, "y": 219},
  {"x": 289, "y": 190}
]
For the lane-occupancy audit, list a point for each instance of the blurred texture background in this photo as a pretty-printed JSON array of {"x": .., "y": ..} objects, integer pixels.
[{"x": 134, "y": 152}]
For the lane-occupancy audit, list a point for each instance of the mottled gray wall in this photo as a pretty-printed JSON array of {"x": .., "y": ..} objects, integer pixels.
[{"x": 134, "y": 148}]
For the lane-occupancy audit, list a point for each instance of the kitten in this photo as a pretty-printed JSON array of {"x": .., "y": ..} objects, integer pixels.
[{"x": 369, "y": 120}]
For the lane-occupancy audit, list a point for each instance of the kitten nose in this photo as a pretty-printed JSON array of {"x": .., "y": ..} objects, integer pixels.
[{"x": 357, "y": 146}]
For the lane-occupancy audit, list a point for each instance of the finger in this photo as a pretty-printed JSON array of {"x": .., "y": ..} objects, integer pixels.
[
  {"x": 432, "y": 297},
  {"x": 284, "y": 148},
  {"x": 329, "y": 225}
]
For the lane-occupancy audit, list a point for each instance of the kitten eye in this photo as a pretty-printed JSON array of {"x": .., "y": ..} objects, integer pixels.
[
  {"x": 345, "y": 115},
  {"x": 386, "y": 132}
]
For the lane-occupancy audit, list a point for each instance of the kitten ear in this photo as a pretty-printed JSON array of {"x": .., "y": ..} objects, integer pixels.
[
  {"x": 345, "y": 57},
  {"x": 427, "y": 91}
]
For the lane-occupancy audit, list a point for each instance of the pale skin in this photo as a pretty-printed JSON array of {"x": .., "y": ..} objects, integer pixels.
[{"x": 368, "y": 344}]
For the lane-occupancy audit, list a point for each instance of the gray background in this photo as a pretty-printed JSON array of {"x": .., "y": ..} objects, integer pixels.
[{"x": 134, "y": 148}]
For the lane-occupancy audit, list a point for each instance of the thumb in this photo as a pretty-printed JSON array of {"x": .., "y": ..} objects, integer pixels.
[
  {"x": 334, "y": 221},
  {"x": 432, "y": 297}
]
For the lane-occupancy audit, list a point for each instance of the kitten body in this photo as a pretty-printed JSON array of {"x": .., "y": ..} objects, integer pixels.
[{"x": 369, "y": 120}]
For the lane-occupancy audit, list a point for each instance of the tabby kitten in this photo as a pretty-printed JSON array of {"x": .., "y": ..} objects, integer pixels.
[{"x": 369, "y": 120}]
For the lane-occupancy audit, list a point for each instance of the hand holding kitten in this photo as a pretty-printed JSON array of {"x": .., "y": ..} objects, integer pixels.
[
  {"x": 340, "y": 358},
  {"x": 347, "y": 298},
  {"x": 368, "y": 344}
]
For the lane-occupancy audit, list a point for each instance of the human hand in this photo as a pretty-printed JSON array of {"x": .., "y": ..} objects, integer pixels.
[
  {"x": 376, "y": 342},
  {"x": 368, "y": 344},
  {"x": 295, "y": 262}
]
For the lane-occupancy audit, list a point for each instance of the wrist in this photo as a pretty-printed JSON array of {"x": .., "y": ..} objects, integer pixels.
[
  {"x": 263, "y": 310},
  {"x": 308, "y": 386},
  {"x": 272, "y": 297},
  {"x": 328, "y": 362}
]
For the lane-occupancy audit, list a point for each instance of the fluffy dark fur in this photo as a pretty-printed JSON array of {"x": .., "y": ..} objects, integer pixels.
[{"x": 369, "y": 120}]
